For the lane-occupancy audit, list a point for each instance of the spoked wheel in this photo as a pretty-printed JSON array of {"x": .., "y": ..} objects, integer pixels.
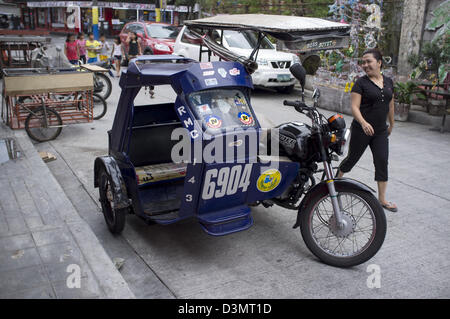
[
  {"x": 115, "y": 218},
  {"x": 43, "y": 125},
  {"x": 358, "y": 240},
  {"x": 102, "y": 85},
  {"x": 99, "y": 106}
]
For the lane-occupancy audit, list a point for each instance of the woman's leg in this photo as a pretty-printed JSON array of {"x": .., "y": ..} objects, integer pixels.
[
  {"x": 358, "y": 144},
  {"x": 380, "y": 151},
  {"x": 117, "y": 61}
]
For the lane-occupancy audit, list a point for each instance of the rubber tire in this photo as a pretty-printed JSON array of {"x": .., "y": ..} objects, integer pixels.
[
  {"x": 37, "y": 139},
  {"x": 285, "y": 89},
  {"x": 118, "y": 224},
  {"x": 148, "y": 51},
  {"x": 380, "y": 233},
  {"x": 102, "y": 103},
  {"x": 108, "y": 84}
]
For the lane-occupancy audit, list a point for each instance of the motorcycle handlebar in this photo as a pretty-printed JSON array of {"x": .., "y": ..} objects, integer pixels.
[{"x": 299, "y": 106}]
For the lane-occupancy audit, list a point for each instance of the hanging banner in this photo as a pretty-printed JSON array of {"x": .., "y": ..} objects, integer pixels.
[{"x": 114, "y": 5}]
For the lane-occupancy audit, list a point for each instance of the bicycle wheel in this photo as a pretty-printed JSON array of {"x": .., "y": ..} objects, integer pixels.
[
  {"x": 102, "y": 85},
  {"x": 99, "y": 106},
  {"x": 43, "y": 126}
]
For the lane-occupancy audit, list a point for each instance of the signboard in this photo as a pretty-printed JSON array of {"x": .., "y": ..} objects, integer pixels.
[{"x": 329, "y": 43}]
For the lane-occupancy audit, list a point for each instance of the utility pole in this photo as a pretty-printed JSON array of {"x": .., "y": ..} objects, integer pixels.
[{"x": 95, "y": 19}]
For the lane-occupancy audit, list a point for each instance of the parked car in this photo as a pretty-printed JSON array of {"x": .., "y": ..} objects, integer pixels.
[
  {"x": 273, "y": 65},
  {"x": 156, "y": 38}
]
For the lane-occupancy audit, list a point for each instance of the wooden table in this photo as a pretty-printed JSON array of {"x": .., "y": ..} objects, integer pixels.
[{"x": 446, "y": 96}]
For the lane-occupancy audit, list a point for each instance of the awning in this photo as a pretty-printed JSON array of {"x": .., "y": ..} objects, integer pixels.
[{"x": 297, "y": 33}]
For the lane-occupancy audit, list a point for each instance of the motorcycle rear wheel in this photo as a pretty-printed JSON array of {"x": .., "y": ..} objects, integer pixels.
[
  {"x": 102, "y": 85},
  {"x": 334, "y": 246}
]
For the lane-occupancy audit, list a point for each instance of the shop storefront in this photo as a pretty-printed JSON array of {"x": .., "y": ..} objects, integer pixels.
[{"x": 76, "y": 16}]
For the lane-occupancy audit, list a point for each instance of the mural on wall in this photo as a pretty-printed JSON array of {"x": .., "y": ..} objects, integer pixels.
[{"x": 365, "y": 18}]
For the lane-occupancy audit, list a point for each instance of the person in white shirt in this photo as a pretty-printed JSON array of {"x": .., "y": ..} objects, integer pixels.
[{"x": 116, "y": 54}]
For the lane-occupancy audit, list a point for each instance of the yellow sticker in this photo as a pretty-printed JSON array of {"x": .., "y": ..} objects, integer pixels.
[{"x": 268, "y": 180}]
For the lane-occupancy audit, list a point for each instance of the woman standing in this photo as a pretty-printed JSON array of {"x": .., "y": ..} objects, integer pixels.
[
  {"x": 71, "y": 49},
  {"x": 372, "y": 103},
  {"x": 134, "y": 47}
]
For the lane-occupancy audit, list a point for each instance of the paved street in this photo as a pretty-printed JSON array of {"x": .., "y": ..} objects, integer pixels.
[{"x": 270, "y": 259}]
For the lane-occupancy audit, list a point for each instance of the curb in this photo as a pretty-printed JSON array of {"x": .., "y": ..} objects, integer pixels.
[{"x": 109, "y": 278}]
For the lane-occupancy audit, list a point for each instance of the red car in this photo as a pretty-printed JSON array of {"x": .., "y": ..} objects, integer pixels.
[{"x": 155, "y": 37}]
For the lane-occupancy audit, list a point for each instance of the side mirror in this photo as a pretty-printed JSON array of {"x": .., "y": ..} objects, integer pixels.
[{"x": 299, "y": 72}]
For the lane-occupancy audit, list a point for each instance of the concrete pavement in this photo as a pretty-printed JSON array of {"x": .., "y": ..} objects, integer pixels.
[
  {"x": 46, "y": 249},
  {"x": 270, "y": 259}
]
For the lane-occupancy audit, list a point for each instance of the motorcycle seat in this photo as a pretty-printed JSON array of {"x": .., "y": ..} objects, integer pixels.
[{"x": 164, "y": 172}]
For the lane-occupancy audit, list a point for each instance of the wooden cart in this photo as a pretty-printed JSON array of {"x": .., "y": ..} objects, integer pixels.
[{"x": 33, "y": 99}]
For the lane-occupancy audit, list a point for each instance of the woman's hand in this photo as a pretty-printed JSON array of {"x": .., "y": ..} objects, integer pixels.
[
  {"x": 390, "y": 129},
  {"x": 367, "y": 128}
]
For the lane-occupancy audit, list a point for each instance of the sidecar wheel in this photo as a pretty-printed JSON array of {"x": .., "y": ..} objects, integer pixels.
[
  {"x": 115, "y": 218},
  {"x": 355, "y": 243}
]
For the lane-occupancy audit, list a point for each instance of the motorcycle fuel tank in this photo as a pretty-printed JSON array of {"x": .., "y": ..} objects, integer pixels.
[{"x": 294, "y": 139}]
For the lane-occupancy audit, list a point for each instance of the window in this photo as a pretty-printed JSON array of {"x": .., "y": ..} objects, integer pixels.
[
  {"x": 245, "y": 40},
  {"x": 160, "y": 31},
  {"x": 189, "y": 38},
  {"x": 222, "y": 109}
]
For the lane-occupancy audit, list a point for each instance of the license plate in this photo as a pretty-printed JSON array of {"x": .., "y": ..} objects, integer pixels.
[{"x": 283, "y": 77}]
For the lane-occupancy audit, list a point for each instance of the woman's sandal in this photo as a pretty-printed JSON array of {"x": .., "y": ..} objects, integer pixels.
[{"x": 389, "y": 206}]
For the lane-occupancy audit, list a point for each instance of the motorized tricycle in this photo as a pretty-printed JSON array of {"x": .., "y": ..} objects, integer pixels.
[{"x": 206, "y": 156}]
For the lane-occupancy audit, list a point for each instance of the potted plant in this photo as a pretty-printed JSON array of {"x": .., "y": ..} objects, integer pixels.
[{"x": 404, "y": 93}]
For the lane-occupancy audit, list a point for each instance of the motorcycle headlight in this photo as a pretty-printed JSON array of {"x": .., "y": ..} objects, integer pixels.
[{"x": 162, "y": 47}]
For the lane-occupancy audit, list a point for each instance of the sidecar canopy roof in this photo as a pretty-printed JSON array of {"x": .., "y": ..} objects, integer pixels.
[
  {"x": 183, "y": 74},
  {"x": 285, "y": 28}
]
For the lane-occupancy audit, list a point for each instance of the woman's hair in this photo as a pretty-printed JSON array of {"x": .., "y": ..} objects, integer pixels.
[
  {"x": 69, "y": 35},
  {"x": 135, "y": 34},
  {"x": 376, "y": 54},
  {"x": 117, "y": 39},
  {"x": 90, "y": 33},
  {"x": 80, "y": 35}
]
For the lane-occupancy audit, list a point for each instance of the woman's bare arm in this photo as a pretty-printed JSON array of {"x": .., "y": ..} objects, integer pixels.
[
  {"x": 356, "y": 104},
  {"x": 391, "y": 116}
]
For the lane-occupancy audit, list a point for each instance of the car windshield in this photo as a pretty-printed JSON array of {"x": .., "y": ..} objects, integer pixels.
[
  {"x": 160, "y": 31},
  {"x": 245, "y": 40},
  {"x": 220, "y": 109}
]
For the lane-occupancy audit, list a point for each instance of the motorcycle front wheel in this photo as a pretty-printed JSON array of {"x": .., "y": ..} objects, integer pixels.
[{"x": 361, "y": 237}]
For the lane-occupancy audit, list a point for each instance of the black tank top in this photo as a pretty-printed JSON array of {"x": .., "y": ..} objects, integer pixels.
[{"x": 133, "y": 48}]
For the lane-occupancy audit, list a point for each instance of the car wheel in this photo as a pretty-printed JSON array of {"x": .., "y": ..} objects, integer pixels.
[{"x": 148, "y": 51}]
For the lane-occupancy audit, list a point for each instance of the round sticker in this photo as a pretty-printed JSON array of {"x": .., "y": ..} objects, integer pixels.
[
  {"x": 245, "y": 118},
  {"x": 268, "y": 180},
  {"x": 213, "y": 121}
]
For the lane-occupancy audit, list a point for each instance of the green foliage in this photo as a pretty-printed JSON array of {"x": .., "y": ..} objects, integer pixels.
[
  {"x": 435, "y": 57},
  {"x": 405, "y": 91},
  {"x": 441, "y": 21}
]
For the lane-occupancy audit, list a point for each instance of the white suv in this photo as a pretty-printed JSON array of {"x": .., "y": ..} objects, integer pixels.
[{"x": 273, "y": 65}]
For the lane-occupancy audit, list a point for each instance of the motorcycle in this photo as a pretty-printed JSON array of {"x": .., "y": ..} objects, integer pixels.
[
  {"x": 53, "y": 58},
  {"x": 340, "y": 219}
]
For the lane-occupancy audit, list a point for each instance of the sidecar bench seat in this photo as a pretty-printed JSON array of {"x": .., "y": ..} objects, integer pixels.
[{"x": 160, "y": 172}]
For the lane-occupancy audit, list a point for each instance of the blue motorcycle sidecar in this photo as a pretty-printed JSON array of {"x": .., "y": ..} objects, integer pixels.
[{"x": 148, "y": 174}]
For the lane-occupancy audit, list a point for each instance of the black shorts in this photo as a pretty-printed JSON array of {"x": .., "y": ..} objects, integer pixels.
[{"x": 118, "y": 58}]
